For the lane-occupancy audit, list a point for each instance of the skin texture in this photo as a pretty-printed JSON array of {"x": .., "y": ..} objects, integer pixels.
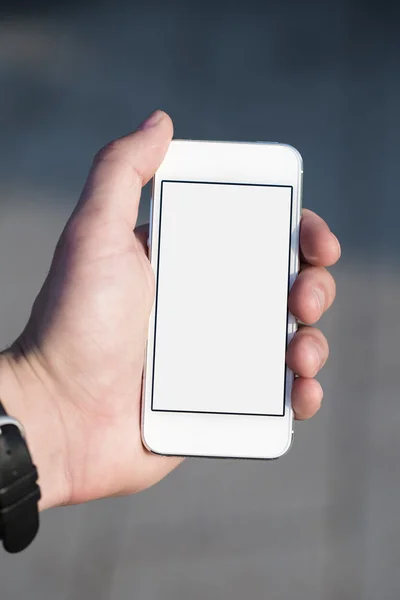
[{"x": 74, "y": 375}]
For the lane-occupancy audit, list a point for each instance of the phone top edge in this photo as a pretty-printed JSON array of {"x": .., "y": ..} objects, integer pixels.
[
  {"x": 246, "y": 143},
  {"x": 223, "y": 141}
]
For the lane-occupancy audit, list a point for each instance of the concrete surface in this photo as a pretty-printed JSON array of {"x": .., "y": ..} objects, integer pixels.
[{"x": 322, "y": 523}]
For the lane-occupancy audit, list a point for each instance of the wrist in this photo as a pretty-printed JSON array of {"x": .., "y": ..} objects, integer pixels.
[{"x": 28, "y": 397}]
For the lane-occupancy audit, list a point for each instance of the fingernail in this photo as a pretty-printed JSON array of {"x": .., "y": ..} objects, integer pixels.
[
  {"x": 319, "y": 296},
  {"x": 316, "y": 356},
  {"x": 337, "y": 242},
  {"x": 152, "y": 120}
]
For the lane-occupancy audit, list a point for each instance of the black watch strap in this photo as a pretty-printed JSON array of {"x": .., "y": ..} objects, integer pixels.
[{"x": 19, "y": 492}]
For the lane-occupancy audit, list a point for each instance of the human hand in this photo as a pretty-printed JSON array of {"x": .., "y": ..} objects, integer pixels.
[{"x": 74, "y": 376}]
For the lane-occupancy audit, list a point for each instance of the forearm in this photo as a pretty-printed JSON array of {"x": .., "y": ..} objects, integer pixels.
[{"x": 25, "y": 397}]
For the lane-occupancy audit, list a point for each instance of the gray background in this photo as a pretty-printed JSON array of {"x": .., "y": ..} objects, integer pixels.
[{"x": 322, "y": 523}]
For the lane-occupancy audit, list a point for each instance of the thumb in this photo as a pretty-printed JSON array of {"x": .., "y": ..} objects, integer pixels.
[{"x": 120, "y": 169}]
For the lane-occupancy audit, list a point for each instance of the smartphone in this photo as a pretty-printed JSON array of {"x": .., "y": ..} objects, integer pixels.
[{"x": 224, "y": 246}]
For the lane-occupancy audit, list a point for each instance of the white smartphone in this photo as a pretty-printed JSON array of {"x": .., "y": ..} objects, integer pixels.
[{"x": 224, "y": 246}]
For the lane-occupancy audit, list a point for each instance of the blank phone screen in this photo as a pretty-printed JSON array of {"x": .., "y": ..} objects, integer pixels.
[{"x": 221, "y": 307}]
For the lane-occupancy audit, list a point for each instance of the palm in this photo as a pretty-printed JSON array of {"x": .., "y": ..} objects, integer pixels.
[{"x": 92, "y": 338}]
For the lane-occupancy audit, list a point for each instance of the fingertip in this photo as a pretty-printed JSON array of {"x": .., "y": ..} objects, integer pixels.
[
  {"x": 338, "y": 246},
  {"x": 319, "y": 246},
  {"x": 328, "y": 249},
  {"x": 307, "y": 352},
  {"x": 309, "y": 357},
  {"x": 168, "y": 122},
  {"x": 307, "y": 395},
  {"x": 158, "y": 120},
  {"x": 153, "y": 119},
  {"x": 312, "y": 294}
]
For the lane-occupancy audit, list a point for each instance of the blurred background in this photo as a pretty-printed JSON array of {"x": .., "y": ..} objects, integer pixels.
[{"x": 322, "y": 523}]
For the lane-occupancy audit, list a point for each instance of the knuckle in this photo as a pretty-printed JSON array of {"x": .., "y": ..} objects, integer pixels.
[
  {"x": 115, "y": 155},
  {"x": 109, "y": 152}
]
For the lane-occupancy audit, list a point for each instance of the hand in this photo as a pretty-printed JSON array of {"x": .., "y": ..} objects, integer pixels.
[{"x": 74, "y": 376}]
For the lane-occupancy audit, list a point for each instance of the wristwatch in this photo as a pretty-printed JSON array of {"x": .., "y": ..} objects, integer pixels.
[{"x": 19, "y": 491}]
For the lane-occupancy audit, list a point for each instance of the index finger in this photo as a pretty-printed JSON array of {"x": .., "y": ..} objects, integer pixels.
[{"x": 319, "y": 246}]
